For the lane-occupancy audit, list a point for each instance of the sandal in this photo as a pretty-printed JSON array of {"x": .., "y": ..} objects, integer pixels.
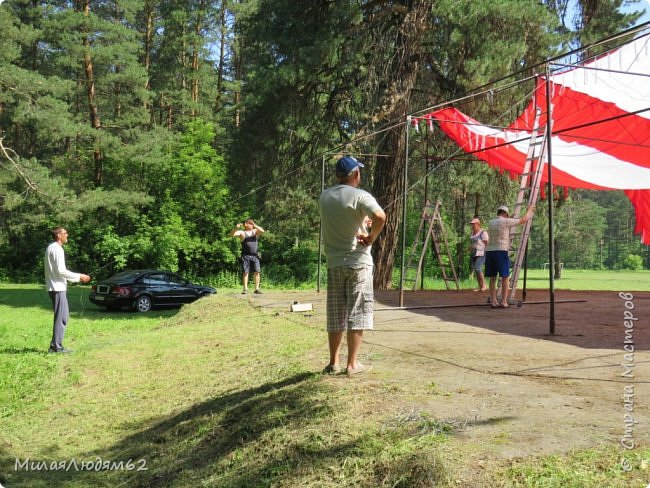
[
  {"x": 361, "y": 368},
  {"x": 332, "y": 369}
]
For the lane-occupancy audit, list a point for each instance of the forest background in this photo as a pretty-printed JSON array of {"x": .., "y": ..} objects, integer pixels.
[{"x": 149, "y": 128}]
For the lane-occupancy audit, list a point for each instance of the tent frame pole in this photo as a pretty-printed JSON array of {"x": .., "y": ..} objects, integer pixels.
[
  {"x": 320, "y": 228},
  {"x": 551, "y": 247},
  {"x": 404, "y": 212}
]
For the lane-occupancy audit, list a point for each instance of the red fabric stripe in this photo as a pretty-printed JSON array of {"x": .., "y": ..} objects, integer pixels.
[
  {"x": 458, "y": 126},
  {"x": 626, "y": 137},
  {"x": 506, "y": 158}
]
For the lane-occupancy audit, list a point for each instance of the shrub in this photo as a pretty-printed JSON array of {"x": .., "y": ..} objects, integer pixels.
[{"x": 633, "y": 262}]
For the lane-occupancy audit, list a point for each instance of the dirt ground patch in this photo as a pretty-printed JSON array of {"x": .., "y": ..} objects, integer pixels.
[{"x": 507, "y": 386}]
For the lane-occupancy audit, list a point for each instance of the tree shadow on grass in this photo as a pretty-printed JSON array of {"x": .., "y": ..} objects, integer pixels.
[
  {"x": 240, "y": 439},
  {"x": 78, "y": 302},
  {"x": 22, "y": 350},
  {"x": 25, "y": 297},
  {"x": 274, "y": 433},
  {"x": 191, "y": 443}
]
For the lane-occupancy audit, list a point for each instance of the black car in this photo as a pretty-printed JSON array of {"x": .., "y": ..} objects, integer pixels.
[{"x": 144, "y": 289}]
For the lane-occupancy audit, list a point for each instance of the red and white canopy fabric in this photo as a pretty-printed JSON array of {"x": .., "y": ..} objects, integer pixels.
[{"x": 600, "y": 125}]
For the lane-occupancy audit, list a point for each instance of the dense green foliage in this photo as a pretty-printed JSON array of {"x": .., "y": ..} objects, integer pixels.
[{"x": 150, "y": 127}]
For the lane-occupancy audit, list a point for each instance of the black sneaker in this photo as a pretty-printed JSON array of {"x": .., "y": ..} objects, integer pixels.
[{"x": 258, "y": 292}]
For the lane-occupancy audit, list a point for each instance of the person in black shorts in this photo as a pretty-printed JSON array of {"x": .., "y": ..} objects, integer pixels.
[{"x": 249, "y": 253}]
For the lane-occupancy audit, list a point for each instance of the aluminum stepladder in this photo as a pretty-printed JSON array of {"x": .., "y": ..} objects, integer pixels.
[
  {"x": 531, "y": 180},
  {"x": 430, "y": 229}
]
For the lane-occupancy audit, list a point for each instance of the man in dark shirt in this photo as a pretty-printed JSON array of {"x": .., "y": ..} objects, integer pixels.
[{"x": 249, "y": 254}]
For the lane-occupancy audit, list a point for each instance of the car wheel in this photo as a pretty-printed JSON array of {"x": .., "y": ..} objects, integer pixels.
[{"x": 143, "y": 303}]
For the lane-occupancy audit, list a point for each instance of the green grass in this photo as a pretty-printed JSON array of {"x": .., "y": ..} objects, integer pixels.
[
  {"x": 591, "y": 467},
  {"x": 222, "y": 394},
  {"x": 26, "y": 330},
  {"x": 216, "y": 394},
  {"x": 571, "y": 279},
  {"x": 577, "y": 279}
]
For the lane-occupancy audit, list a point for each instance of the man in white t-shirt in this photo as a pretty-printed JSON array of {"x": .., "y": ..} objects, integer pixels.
[
  {"x": 347, "y": 241},
  {"x": 496, "y": 257},
  {"x": 56, "y": 280}
]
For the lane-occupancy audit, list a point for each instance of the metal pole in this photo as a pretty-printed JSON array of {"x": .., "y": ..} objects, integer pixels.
[
  {"x": 406, "y": 166},
  {"x": 523, "y": 293},
  {"x": 320, "y": 225},
  {"x": 426, "y": 200},
  {"x": 426, "y": 170},
  {"x": 551, "y": 248}
]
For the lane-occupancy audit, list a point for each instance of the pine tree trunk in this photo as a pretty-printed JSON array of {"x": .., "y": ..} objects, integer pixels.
[
  {"x": 95, "y": 121},
  {"x": 238, "y": 64},
  {"x": 389, "y": 173},
  {"x": 194, "y": 88},
  {"x": 148, "y": 46},
  {"x": 387, "y": 188},
  {"x": 222, "y": 56}
]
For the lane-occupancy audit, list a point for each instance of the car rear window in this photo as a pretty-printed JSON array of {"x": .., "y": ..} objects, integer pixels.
[
  {"x": 126, "y": 275},
  {"x": 155, "y": 279}
]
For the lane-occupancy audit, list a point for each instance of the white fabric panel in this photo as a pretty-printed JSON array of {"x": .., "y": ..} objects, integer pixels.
[
  {"x": 592, "y": 166},
  {"x": 582, "y": 162},
  {"x": 628, "y": 92}
]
